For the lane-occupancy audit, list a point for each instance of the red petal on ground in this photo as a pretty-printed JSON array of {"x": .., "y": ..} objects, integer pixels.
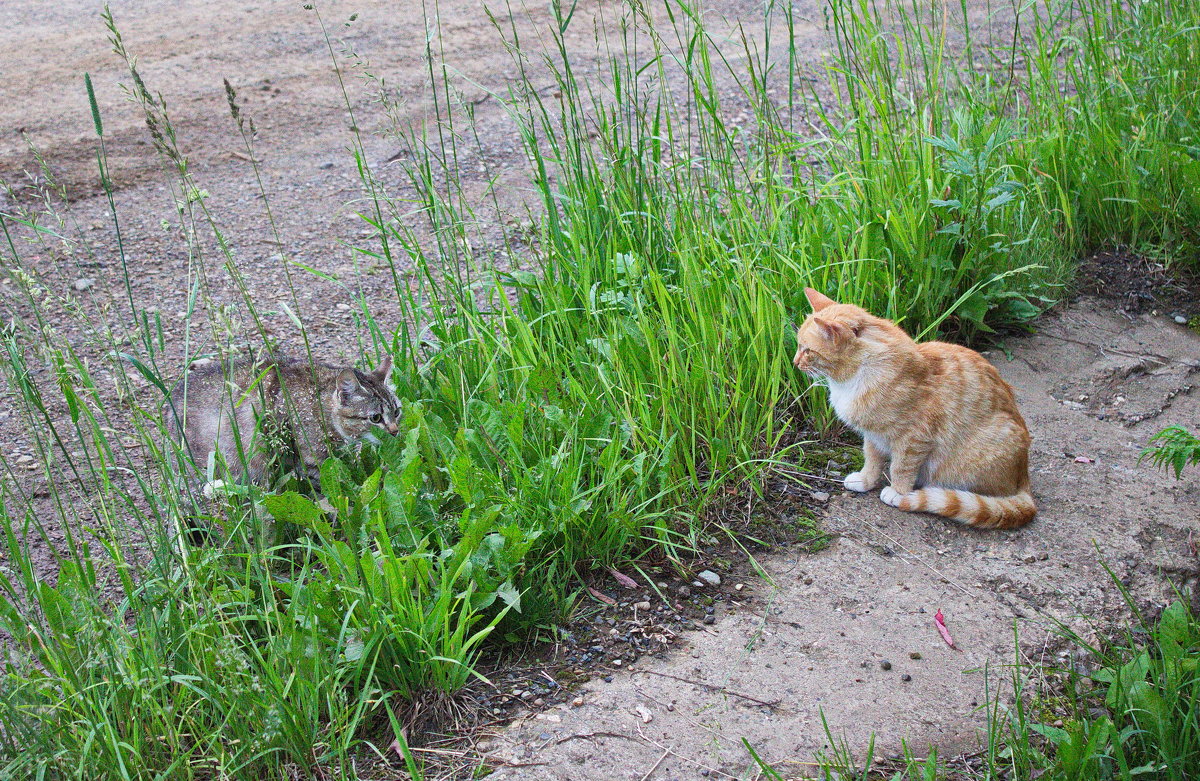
[{"x": 940, "y": 623}]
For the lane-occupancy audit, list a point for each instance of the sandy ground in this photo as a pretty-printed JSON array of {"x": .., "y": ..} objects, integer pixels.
[
  {"x": 1093, "y": 382},
  {"x": 817, "y": 641}
]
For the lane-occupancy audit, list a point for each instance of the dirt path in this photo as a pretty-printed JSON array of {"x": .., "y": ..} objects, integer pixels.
[{"x": 816, "y": 641}]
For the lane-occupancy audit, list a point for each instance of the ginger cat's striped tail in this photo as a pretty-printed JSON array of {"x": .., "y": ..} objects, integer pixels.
[{"x": 977, "y": 510}]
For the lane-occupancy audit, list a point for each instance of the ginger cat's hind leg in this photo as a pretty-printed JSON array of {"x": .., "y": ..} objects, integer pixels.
[{"x": 995, "y": 497}]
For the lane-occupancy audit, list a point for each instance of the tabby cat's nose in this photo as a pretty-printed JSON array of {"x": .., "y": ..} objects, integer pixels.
[{"x": 392, "y": 428}]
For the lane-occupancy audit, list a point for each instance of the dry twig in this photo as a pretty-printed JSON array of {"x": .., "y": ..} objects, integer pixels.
[{"x": 773, "y": 704}]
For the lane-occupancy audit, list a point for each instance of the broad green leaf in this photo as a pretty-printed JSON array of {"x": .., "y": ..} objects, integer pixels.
[{"x": 291, "y": 507}]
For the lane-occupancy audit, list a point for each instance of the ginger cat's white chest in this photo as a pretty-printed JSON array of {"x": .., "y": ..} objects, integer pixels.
[{"x": 842, "y": 396}]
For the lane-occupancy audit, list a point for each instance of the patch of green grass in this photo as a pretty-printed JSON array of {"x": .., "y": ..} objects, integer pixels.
[
  {"x": 818, "y": 457},
  {"x": 559, "y": 418}
]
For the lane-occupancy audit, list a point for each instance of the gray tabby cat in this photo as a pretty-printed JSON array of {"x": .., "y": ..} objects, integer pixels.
[{"x": 288, "y": 409}]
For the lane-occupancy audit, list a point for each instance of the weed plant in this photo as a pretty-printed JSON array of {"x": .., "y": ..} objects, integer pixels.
[{"x": 573, "y": 397}]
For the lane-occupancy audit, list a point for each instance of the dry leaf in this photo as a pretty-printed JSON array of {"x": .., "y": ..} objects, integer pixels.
[
  {"x": 623, "y": 579},
  {"x": 602, "y": 597}
]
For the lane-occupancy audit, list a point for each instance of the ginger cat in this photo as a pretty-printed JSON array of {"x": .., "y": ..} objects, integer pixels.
[{"x": 958, "y": 445}]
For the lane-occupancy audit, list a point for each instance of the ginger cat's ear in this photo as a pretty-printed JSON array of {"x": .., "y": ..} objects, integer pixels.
[
  {"x": 818, "y": 300},
  {"x": 831, "y": 329}
]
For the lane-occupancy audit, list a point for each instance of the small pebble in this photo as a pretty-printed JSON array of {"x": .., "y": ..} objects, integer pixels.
[
  {"x": 885, "y": 665},
  {"x": 83, "y": 283},
  {"x": 820, "y": 496},
  {"x": 578, "y": 701},
  {"x": 608, "y": 679},
  {"x": 539, "y": 702},
  {"x": 617, "y": 662},
  {"x": 906, "y": 677},
  {"x": 914, "y": 654},
  {"x": 710, "y": 577},
  {"x": 1181, "y": 319},
  {"x": 642, "y": 606},
  {"x": 739, "y": 586},
  {"x": 684, "y": 591},
  {"x": 710, "y": 618}
]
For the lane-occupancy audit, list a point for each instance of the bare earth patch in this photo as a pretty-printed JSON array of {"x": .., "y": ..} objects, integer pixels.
[{"x": 847, "y": 635}]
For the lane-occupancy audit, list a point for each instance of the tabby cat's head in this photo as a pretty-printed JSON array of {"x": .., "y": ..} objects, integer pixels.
[{"x": 364, "y": 401}]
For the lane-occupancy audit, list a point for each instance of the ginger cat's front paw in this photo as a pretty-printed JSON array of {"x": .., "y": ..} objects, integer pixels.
[
  {"x": 892, "y": 497},
  {"x": 857, "y": 481}
]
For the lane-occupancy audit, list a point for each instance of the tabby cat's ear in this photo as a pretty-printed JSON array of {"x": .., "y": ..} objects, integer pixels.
[
  {"x": 384, "y": 370},
  {"x": 348, "y": 383},
  {"x": 818, "y": 300}
]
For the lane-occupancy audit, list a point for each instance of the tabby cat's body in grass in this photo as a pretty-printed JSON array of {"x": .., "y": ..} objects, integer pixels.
[
  {"x": 246, "y": 416},
  {"x": 949, "y": 424}
]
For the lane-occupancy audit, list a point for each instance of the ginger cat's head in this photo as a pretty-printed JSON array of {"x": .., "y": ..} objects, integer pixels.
[
  {"x": 365, "y": 401},
  {"x": 836, "y": 339}
]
